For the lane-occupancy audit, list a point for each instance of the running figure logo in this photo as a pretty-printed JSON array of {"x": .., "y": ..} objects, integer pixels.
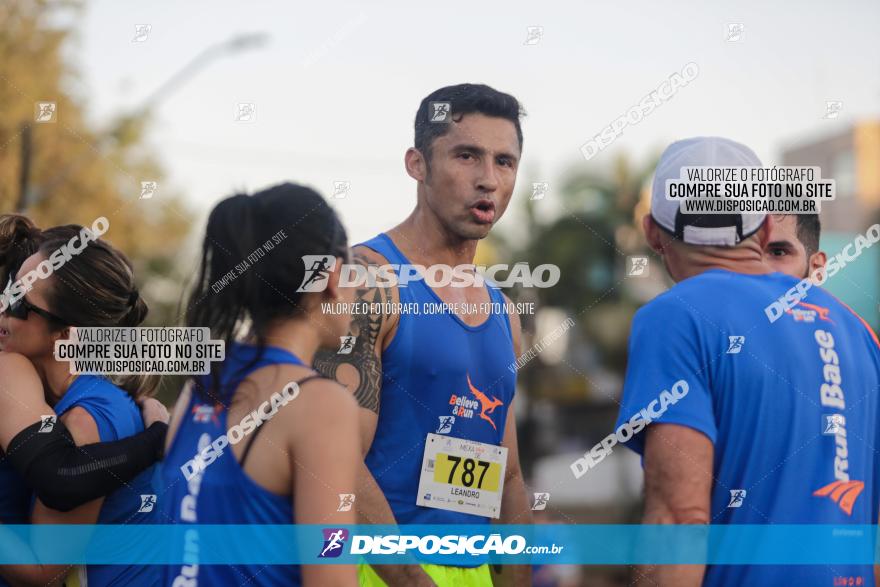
[
  {"x": 346, "y": 344},
  {"x": 147, "y": 503},
  {"x": 346, "y": 500},
  {"x": 637, "y": 267},
  {"x": 735, "y": 344},
  {"x": 334, "y": 540},
  {"x": 341, "y": 188},
  {"x": 148, "y": 189},
  {"x": 44, "y": 112},
  {"x": 539, "y": 190},
  {"x": 488, "y": 405},
  {"x": 446, "y": 423},
  {"x": 736, "y": 498},
  {"x": 440, "y": 111},
  {"x": 47, "y": 423},
  {"x": 833, "y": 424},
  {"x": 541, "y": 500},
  {"x": 318, "y": 268}
]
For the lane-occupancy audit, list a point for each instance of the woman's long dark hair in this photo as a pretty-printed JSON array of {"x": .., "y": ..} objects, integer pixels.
[
  {"x": 94, "y": 288},
  {"x": 228, "y": 294}
]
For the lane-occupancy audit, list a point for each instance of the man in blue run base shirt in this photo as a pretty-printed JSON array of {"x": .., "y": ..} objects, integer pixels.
[{"x": 777, "y": 417}]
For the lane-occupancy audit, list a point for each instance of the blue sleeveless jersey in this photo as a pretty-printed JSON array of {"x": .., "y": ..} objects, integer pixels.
[
  {"x": 791, "y": 408},
  {"x": 222, "y": 493},
  {"x": 117, "y": 417},
  {"x": 426, "y": 371}
]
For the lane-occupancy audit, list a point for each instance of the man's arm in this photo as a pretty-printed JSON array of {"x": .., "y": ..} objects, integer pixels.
[
  {"x": 515, "y": 508},
  {"x": 361, "y": 372},
  {"x": 678, "y": 490}
]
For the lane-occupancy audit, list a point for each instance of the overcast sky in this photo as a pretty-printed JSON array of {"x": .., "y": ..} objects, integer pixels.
[{"x": 337, "y": 84}]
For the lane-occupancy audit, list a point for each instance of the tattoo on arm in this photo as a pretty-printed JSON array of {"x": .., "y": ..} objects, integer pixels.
[{"x": 364, "y": 357}]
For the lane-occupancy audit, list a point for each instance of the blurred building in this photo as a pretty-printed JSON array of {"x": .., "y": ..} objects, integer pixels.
[{"x": 852, "y": 158}]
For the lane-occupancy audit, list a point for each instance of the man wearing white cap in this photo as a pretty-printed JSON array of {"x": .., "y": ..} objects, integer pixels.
[{"x": 742, "y": 420}]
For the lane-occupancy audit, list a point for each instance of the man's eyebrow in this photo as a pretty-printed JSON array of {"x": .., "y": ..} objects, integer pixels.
[
  {"x": 469, "y": 147},
  {"x": 481, "y": 150},
  {"x": 779, "y": 243}
]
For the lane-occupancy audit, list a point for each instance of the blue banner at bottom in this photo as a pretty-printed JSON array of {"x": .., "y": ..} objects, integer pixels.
[{"x": 463, "y": 545}]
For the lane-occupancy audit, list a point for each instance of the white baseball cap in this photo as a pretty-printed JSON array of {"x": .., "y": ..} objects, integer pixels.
[{"x": 702, "y": 229}]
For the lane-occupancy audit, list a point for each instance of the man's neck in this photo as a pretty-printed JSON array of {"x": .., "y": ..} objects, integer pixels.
[
  {"x": 746, "y": 267},
  {"x": 423, "y": 240}
]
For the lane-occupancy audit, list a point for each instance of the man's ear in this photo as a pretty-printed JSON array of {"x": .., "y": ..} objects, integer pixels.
[
  {"x": 652, "y": 234},
  {"x": 415, "y": 163},
  {"x": 764, "y": 233},
  {"x": 816, "y": 261}
]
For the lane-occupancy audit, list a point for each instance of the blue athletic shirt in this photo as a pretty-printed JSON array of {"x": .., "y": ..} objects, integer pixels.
[
  {"x": 117, "y": 417},
  {"x": 223, "y": 493},
  {"x": 791, "y": 408},
  {"x": 425, "y": 374}
]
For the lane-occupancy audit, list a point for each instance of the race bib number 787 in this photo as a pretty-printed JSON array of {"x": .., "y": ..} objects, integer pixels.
[{"x": 462, "y": 476}]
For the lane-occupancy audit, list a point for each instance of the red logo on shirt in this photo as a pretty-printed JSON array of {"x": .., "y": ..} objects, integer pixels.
[
  {"x": 488, "y": 405},
  {"x": 809, "y": 312},
  {"x": 202, "y": 413}
]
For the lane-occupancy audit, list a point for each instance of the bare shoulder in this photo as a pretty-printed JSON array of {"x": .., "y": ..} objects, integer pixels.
[
  {"x": 82, "y": 426},
  {"x": 22, "y": 401},
  {"x": 324, "y": 395},
  {"x": 19, "y": 379},
  {"x": 16, "y": 365},
  {"x": 367, "y": 257},
  {"x": 312, "y": 393},
  {"x": 372, "y": 327}
]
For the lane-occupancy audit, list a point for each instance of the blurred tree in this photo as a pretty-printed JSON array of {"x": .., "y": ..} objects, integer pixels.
[
  {"x": 589, "y": 238},
  {"x": 66, "y": 171}
]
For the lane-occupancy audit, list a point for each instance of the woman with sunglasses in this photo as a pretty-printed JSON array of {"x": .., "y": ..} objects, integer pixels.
[
  {"x": 293, "y": 465},
  {"x": 93, "y": 288}
]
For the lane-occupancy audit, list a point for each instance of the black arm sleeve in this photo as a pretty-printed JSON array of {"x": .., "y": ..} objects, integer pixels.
[{"x": 65, "y": 476}]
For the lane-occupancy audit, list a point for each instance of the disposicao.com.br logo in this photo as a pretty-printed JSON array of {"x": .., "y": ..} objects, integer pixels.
[
  {"x": 450, "y": 544},
  {"x": 318, "y": 268}
]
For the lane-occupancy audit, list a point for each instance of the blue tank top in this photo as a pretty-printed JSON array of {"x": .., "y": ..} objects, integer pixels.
[
  {"x": 117, "y": 417},
  {"x": 437, "y": 366},
  {"x": 222, "y": 493}
]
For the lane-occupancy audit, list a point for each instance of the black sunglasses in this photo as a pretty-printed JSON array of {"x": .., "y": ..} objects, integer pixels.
[{"x": 20, "y": 309}]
